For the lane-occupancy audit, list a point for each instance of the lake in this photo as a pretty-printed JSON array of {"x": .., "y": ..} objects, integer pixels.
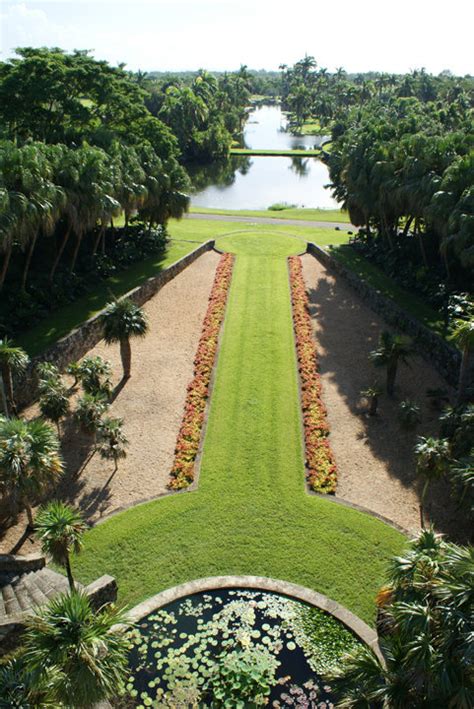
[{"x": 258, "y": 182}]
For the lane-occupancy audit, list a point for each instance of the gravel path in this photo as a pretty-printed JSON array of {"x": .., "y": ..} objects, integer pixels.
[
  {"x": 374, "y": 456},
  {"x": 151, "y": 404}
]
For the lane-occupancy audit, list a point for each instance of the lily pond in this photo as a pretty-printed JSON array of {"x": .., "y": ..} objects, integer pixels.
[{"x": 235, "y": 648}]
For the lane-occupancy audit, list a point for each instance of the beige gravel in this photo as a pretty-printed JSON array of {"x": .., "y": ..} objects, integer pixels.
[
  {"x": 374, "y": 456},
  {"x": 151, "y": 404}
]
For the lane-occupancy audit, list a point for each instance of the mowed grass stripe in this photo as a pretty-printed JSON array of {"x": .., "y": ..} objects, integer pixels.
[{"x": 250, "y": 514}]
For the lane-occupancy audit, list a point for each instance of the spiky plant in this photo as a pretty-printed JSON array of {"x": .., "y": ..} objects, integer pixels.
[
  {"x": 94, "y": 375},
  {"x": 372, "y": 395},
  {"x": 89, "y": 412},
  {"x": 54, "y": 402},
  {"x": 409, "y": 414},
  {"x": 87, "y": 648},
  {"x": 123, "y": 320},
  {"x": 392, "y": 350},
  {"x": 112, "y": 443},
  {"x": 13, "y": 360},
  {"x": 60, "y": 528},
  {"x": 433, "y": 456},
  {"x": 24, "y": 689},
  {"x": 463, "y": 337},
  {"x": 29, "y": 460}
]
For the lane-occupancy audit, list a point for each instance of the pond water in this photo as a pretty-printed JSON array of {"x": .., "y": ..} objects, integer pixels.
[
  {"x": 178, "y": 651},
  {"x": 258, "y": 182}
]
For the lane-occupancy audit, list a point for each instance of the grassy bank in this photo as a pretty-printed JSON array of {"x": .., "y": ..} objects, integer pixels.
[
  {"x": 276, "y": 153},
  {"x": 373, "y": 275},
  {"x": 300, "y": 213},
  {"x": 250, "y": 514}
]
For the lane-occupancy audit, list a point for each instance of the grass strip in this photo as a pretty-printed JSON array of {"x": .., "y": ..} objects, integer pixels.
[
  {"x": 189, "y": 436},
  {"x": 321, "y": 471},
  {"x": 260, "y": 152}
]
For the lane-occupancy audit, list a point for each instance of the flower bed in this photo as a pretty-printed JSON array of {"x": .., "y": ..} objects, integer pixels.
[
  {"x": 321, "y": 469},
  {"x": 189, "y": 436}
]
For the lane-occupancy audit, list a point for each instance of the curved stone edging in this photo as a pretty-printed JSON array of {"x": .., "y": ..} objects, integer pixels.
[{"x": 261, "y": 583}]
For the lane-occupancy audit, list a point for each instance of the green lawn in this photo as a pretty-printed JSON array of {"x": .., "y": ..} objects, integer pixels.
[
  {"x": 251, "y": 514},
  {"x": 276, "y": 153},
  {"x": 373, "y": 275},
  {"x": 186, "y": 235},
  {"x": 312, "y": 127},
  {"x": 303, "y": 213}
]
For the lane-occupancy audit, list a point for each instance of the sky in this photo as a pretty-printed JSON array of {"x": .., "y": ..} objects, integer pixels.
[{"x": 380, "y": 35}]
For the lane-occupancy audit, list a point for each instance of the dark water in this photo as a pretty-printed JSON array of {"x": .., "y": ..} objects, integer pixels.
[
  {"x": 180, "y": 646},
  {"x": 258, "y": 182}
]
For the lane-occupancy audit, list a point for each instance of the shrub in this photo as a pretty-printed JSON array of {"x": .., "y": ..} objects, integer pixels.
[
  {"x": 89, "y": 412},
  {"x": 94, "y": 375},
  {"x": 320, "y": 464},
  {"x": 409, "y": 414}
]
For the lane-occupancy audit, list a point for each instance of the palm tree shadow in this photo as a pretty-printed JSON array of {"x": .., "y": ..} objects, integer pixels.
[
  {"x": 347, "y": 331},
  {"x": 118, "y": 388}
]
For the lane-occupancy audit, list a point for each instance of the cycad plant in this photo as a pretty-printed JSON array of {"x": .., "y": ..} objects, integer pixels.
[
  {"x": 60, "y": 528},
  {"x": 94, "y": 375},
  {"x": 86, "y": 648},
  {"x": 89, "y": 411},
  {"x": 392, "y": 350},
  {"x": 123, "y": 320},
  {"x": 13, "y": 360},
  {"x": 463, "y": 337},
  {"x": 112, "y": 443},
  {"x": 29, "y": 460},
  {"x": 433, "y": 456}
]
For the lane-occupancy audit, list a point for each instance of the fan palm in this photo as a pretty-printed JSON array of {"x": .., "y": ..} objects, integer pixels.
[
  {"x": 463, "y": 337},
  {"x": 432, "y": 462},
  {"x": 87, "y": 649},
  {"x": 60, "y": 529},
  {"x": 13, "y": 360},
  {"x": 112, "y": 444},
  {"x": 54, "y": 402},
  {"x": 392, "y": 349},
  {"x": 123, "y": 320},
  {"x": 29, "y": 459},
  {"x": 23, "y": 689}
]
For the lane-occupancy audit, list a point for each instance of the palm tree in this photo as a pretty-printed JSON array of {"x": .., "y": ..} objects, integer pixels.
[
  {"x": 87, "y": 648},
  {"x": 13, "y": 360},
  {"x": 122, "y": 320},
  {"x": 60, "y": 529},
  {"x": 54, "y": 402},
  {"x": 23, "y": 689},
  {"x": 463, "y": 337},
  {"x": 392, "y": 349},
  {"x": 427, "y": 651},
  {"x": 432, "y": 462},
  {"x": 112, "y": 443},
  {"x": 29, "y": 460}
]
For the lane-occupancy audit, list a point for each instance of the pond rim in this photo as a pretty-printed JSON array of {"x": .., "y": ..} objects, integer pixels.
[{"x": 361, "y": 630}]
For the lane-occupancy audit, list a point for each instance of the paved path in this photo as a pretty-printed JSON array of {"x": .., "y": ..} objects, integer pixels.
[{"x": 270, "y": 220}]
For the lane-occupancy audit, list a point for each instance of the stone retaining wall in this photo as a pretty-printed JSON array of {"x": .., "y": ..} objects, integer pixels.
[
  {"x": 444, "y": 357},
  {"x": 79, "y": 341}
]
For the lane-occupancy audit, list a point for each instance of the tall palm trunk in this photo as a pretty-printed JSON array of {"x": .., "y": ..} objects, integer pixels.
[
  {"x": 97, "y": 241},
  {"x": 70, "y": 578},
  {"x": 28, "y": 261},
  {"x": 467, "y": 366},
  {"x": 76, "y": 252},
  {"x": 391, "y": 376},
  {"x": 126, "y": 355},
  {"x": 422, "y": 503},
  {"x": 60, "y": 253},
  {"x": 6, "y": 263},
  {"x": 8, "y": 384},
  {"x": 29, "y": 513},
  {"x": 407, "y": 226}
]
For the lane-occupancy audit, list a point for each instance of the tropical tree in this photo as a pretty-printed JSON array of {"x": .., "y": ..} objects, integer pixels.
[
  {"x": 461, "y": 477},
  {"x": 29, "y": 460},
  {"x": 123, "y": 320},
  {"x": 13, "y": 360},
  {"x": 112, "y": 442},
  {"x": 60, "y": 528},
  {"x": 21, "y": 688},
  {"x": 94, "y": 375},
  {"x": 89, "y": 411},
  {"x": 86, "y": 648},
  {"x": 427, "y": 648},
  {"x": 54, "y": 402},
  {"x": 433, "y": 456},
  {"x": 463, "y": 337},
  {"x": 372, "y": 395},
  {"x": 392, "y": 350}
]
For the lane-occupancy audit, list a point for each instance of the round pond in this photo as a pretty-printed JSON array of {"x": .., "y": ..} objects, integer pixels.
[{"x": 192, "y": 647}]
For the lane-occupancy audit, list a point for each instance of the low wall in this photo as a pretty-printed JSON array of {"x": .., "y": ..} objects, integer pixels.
[
  {"x": 79, "y": 341},
  {"x": 443, "y": 356}
]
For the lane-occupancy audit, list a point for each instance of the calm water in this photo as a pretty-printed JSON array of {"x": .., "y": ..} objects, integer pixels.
[
  {"x": 181, "y": 646},
  {"x": 258, "y": 182}
]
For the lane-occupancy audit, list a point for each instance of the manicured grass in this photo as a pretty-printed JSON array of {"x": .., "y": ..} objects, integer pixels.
[
  {"x": 373, "y": 275},
  {"x": 251, "y": 514},
  {"x": 305, "y": 214},
  {"x": 312, "y": 127},
  {"x": 276, "y": 153},
  {"x": 186, "y": 235}
]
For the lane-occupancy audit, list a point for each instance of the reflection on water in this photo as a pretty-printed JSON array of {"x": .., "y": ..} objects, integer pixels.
[{"x": 258, "y": 182}]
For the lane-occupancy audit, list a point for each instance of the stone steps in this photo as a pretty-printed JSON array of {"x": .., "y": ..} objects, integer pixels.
[{"x": 21, "y": 593}]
